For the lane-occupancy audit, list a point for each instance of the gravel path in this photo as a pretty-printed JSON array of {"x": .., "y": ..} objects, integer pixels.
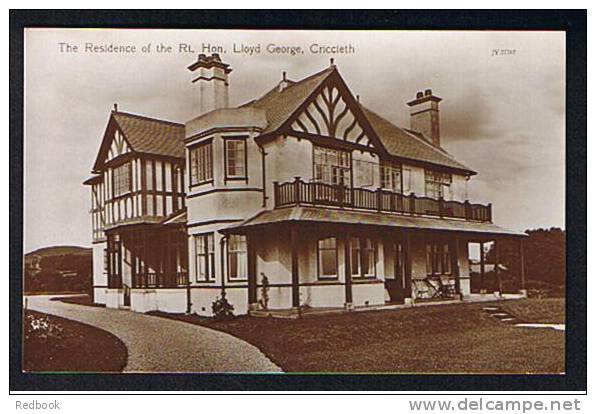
[{"x": 162, "y": 345}]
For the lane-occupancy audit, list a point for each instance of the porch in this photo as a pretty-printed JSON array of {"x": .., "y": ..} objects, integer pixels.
[
  {"x": 306, "y": 260},
  {"x": 142, "y": 260}
]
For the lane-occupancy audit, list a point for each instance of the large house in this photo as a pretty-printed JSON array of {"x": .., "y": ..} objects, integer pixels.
[{"x": 300, "y": 199}]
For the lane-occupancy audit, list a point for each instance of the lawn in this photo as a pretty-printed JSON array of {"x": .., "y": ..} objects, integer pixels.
[
  {"x": 538, "y": 310},
  {"x": 62, "y": 345},
  {"x": 435, "y": 339}
]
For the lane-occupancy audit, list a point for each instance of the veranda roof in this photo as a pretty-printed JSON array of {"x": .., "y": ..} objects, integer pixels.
[{"x": 307, "y": 214}]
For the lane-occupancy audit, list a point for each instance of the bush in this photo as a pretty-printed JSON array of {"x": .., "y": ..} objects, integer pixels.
[
  {"x": 222, "y": 309},
  {"x": 40, "y": 328}
]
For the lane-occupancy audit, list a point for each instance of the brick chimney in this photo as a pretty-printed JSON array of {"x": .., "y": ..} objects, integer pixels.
[
  {"x": 210, "y": 79},
  {"x": 424, "y": 116}
]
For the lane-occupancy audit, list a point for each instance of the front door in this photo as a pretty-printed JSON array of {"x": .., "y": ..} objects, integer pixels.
[{"x": 396, "y": 285}]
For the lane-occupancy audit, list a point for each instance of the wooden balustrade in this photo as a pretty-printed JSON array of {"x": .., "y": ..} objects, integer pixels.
[
  {"x": 299, "y": 192},
  {"x": 158, "y": 279}
]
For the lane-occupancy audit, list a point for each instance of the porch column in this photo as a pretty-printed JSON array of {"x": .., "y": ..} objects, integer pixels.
[
  {"x": 252, "y": 271},
  {"x": 522, "y": 267},
  {"x": 497, "y": 273},
  {"x": 482, "y": 289},
  {"x": 295, "y": 274},
  {"x": 408, "y": 268},
  {"x": 348, "y": 270},
  {"x": 455, "y": 266}
]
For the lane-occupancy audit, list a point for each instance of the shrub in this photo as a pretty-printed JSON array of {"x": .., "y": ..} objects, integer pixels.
[
  {"x": 222, "y": 309},
  {"x": 41, "y": 328}
]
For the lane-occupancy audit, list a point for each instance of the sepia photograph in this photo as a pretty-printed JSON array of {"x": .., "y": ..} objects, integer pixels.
[{"x": 286, "y": 201}]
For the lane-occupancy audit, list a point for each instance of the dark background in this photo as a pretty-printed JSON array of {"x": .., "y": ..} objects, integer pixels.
[{"x": 572, "y": 21}]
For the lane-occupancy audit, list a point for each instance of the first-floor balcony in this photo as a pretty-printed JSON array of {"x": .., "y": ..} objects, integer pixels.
[{"x": 381, "y": 200}]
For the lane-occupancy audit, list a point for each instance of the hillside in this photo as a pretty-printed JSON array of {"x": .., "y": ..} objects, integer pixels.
[
  {"x": 60, "y": 250},
  {"x": 58, "y": 269}
]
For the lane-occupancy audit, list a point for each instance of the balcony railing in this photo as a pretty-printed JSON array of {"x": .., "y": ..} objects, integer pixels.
[
  {"x": 300, "y": 192},
  {"x": 157, "y": 279}
]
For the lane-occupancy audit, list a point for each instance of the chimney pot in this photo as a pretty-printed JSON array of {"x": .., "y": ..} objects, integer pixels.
[
  {"x": 424, "y": 116},
  {"x": 210, "y": 78},
  {"x": 115, "y": 107},
  {"x": 331, "y": 62},
  {"x": 283, "y": 75}
]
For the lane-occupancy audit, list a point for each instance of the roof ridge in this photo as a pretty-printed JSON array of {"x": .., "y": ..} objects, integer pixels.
[
  {"x": 411, "y": 133},
  {"x": 291, "y": 85},
  {"x": 148, "y": 118}
]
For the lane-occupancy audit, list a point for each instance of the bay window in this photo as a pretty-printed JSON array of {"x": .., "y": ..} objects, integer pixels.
[
  {"x": 201, "y": 164},
  {"x": 235, "y": 158},
  {"x": 121, "y": 179},
  {"x": 204, "y": 257}
]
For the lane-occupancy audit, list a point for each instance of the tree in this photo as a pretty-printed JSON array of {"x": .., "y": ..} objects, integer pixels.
[{"x": 544, "y": 256}]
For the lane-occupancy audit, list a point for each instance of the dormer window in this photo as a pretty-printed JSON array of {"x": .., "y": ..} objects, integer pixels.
[
  {"x": 235, "y": 158},
  {"x": 121, "y": 179}
]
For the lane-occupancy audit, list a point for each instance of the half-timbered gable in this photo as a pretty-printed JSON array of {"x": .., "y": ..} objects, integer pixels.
[{"x": 140, "y": 172}]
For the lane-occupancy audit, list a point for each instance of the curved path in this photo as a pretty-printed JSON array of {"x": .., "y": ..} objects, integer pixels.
[{"x": 158, "y": 344}]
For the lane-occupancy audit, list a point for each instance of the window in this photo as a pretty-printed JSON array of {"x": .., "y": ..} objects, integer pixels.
[
  {"x": 391, "y": 177},
  {"x": 201, "y": 164},
  {"x": 122, "y": 179},
  {"x": 237, "y": 266},
  {"x": 332, "y": 166},
  {"x": 355, "y": 255},
  {"x": 327, "y": 255},
  {"x": 235, "y": 158},
  {"x": 437, "y": 184},
  {"x": 205, "y": 257},
  {"x": 438, "y": 259},
  {"x": 363, "y": 257}
]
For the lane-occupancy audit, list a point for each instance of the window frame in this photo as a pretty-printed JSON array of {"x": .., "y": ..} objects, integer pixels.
[
  {"x": 209, "y": 255},
  {"x": 228, "y": 255},
  {"x": 393, "y": 166},
  {"x": 347, "y": 167},
  {"x": 208, "y": 172},
  {"x": 438, "y": 258},
  {"x": 363, "y": 254},
  {"x": 117, "y": 179},
  {"x": 320, "y": 276},
  {"x": 440, "y": 180},
  {"x": 226, "y": 141}
]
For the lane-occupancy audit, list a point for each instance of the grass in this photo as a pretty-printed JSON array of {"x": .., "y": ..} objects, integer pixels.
[
  {"x": 435, "y": 339},
  {"x": 76, "y": 347},
  {"x": 550, "y": 310}
]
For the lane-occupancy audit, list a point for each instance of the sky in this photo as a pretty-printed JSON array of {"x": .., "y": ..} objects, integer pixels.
[{"x": 502, "y": 114}]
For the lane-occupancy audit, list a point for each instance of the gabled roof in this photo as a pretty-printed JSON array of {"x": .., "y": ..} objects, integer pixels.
[
  {"x": 150, "y": 135},
  {"x": 280, "y": 105},
  {"x": 409, "y": 144},
  {"x": 144, "y": 135}
]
